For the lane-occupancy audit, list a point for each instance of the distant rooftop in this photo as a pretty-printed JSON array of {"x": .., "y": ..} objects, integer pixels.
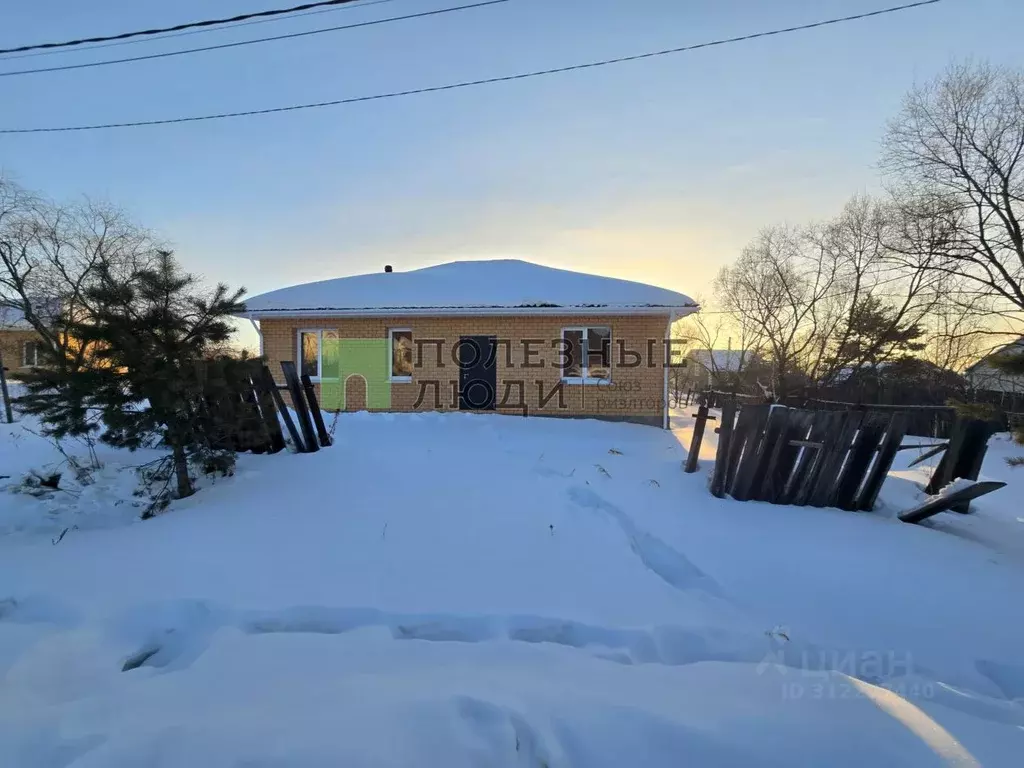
[
  {"x": 487, "y": 286},
  {"x": 730, "y": 360}
]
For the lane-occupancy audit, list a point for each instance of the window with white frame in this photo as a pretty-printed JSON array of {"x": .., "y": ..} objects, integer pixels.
[
  {"x": 30, "y": 354},
  {"x": 400, "y": 353},
  {"x": 586, "y": 354},
  {"x": 318, "y": 352}
]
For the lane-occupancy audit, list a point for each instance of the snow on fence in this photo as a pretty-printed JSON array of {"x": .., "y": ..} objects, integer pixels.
[{"x": 827, "y": 458}]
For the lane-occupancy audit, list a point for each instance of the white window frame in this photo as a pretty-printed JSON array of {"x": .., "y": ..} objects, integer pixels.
[
  {"x": 319, "y": 351},
  {"x": 391, "y": 355},
  {"x": 24, "y": 354},
  {"x": 584, "y": 367}
]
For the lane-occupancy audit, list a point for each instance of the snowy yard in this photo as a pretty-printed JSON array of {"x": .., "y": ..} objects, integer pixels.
[{"x": 472, "y": 590}]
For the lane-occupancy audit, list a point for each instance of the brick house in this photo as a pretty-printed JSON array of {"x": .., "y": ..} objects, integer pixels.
[
  {"x": 507, "y": 336},
  {"x": 19, "y": 343}
]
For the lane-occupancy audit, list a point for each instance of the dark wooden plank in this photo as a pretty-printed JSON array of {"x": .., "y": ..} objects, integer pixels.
[
  {"x": 972, "y": 456},
  {"x": 698, "y": 436},
  {"x": 291, "y": 379},
  {"x": 837, "y": 446},
  {"x": 314, "y": 407},
  {"x": 271, "y": 386},
  {"x": 267, "y": 405},
  {"x": 753, "y": 450},
  {"x": 725, "y": 434},
  {"x": 805, "y": 473},
  {"x": 775, "y": 445},
  {"x": 745, "y": 437},
  {"x": 935, "y": 451},
  {"x": 939, "y": 504},
  {"x": 858, "y": 462},
  {"x": 743, "y": 432},
  {"x": 251, "y": 434},
  {"x": 943, "y": 473},
  {"x": 895, "y": 430},
  {"x": 4, "y": 393},
  {"x": 787, "y": 452}
]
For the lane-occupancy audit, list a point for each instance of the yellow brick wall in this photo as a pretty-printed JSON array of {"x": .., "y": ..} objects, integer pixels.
[
  {"x": 11, "y": 342},
  {"x": 635, "y": 393}
]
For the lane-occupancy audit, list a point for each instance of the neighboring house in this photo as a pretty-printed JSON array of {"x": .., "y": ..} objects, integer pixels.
[
  {"x": 717, "y": 368},
  {"x": 1000, "y": 387},
  {"x": 19, "y": 343},
  {"x": 477, "y": 335}
]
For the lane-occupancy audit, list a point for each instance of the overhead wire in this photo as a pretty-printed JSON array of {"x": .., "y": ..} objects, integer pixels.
[
  {"x": 177, "y": 27},
  {"x": 240, "y": 43},
  {"x": 190, "y": 32},
  {"x": 476, "y": 82}
]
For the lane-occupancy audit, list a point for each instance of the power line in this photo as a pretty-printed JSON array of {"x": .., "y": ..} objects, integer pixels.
[
  {"x": 200, "y": 31},
  {"x": 471, "y": 83},
  {"x": 239, "y": 43},
  {"x": 178, "y": 27}
]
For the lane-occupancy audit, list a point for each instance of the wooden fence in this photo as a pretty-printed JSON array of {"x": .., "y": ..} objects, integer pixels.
[
  {"x": 825, "y": 458},
  {"x": 238, "y": 406},
  {"x": 816, "y": 458}
]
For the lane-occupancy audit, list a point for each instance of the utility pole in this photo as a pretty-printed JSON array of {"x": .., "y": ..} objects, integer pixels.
[{"x": 3, "y": 391}]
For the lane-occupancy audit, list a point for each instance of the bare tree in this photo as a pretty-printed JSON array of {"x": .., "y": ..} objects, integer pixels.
[
  {"x": 955, "y": 332},
  {"x": 829, "y": 298},
  {"x": 712, "y": 331},
  {"x": 878, "y": 305},
  {"x": 953, "y": 157},
  {"x": 50, "y": 256},
  {"x": 778, "y": 288}
]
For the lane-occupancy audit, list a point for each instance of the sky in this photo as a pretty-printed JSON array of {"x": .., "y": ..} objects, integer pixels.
[{"x": 657, "y": 170}]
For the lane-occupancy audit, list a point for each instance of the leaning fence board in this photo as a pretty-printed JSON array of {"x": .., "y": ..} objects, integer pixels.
[
  {"x": 895, "y": 430},
  {"x": 805, "y": 475},
  {"x": 826, "y": 486},
  {"x": 858, "y": 461},
  {"x": 271, "y": 386},
  {"x": 251, "y": 434},
  {"x": 968, "y": 443},
  {"x": 785, "y": 454},
  {"x": 972, "y": 455},
  {"x": 751, "y": 447},
  {"x": 943, "y": 473},
  {"x": 314, "y": 408},
  {"x": 741, "y": 433},
  {"x": 746, "y": 430},
  {"x": 291, "y": 379},
  {"x": 934, "y": 451},
  {"x": 942, "y": 503},
  {"x": 4, "y": 393},
  {"x": 775, "y": 439},
  {"x": 268, "y": 408},
  {"x": 725, "y": 433},
  {"x": 698, "y": 436}
]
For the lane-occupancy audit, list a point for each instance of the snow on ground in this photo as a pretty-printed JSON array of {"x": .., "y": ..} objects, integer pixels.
[{"x": 467, "y": 590}]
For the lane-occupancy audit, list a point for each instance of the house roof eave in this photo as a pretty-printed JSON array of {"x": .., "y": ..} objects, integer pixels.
[{"x": 265, "y": 314}]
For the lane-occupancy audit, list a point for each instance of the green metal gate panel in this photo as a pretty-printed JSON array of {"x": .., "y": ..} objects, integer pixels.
[{"x": 361, "y": 357}]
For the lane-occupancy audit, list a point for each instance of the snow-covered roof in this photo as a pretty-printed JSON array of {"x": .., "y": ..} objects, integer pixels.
[
  {"x": 1014, "y": 347},
  {"x": 470, "y": 287},
  {"x": 721, "y": 359}
]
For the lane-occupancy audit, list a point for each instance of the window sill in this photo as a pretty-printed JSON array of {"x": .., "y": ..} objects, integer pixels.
[
  {"x": 400, "y": 379},
  {"x": 587, "y": 381}
]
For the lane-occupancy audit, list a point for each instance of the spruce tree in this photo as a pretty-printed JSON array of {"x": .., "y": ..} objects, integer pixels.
[{"x": 149, "y": 330}]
